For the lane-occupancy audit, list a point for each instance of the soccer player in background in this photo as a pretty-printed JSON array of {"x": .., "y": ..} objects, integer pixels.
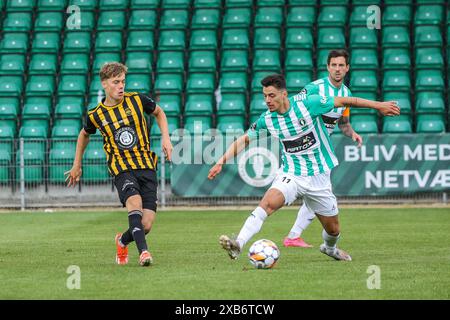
[
  {"x": 330, "y": 86},
  {"x": 308, "y": 158},
  {"x": 120, "y": 119}
]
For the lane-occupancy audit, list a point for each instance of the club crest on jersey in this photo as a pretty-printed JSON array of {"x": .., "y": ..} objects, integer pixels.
[
  {"x": 302, "y": 122},
  {"x": 324, "y": 99},
  {"x": 125, "y": 138}
]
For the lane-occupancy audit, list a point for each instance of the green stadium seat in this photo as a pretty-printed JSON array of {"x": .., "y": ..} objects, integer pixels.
[
  {"x": 399, "y": 124},
  {"x": 139, "y": 62},
  {"x": 113, "y": 5},
  {"x": 232, "y": 104},
  {"x": 37, "y": 108},
  {"x": 11, "y": 86},
  {"x": 429, "y": 80},
  {"x": 9, "y": 108},
  {"x": 202, "y": 61},
  {"x": 301, "y": 17},
  {"x": 332, "y": 16},
  {"x": 268, "y": 17},
  {"x": 203, "y": 40},
  {"x": 201, "y": 83},
  {"x": 175, "y": 4},
  {"x": 267, "y": 60},
  {"x": 18, "y": 22},
  {"x": 331, "y": 38},
  {"x": 168, "y": 83},
  {"x": 297, "y": 38},
  {"x": 235, "y": 82},
  {"x": 430, "y": 123},
  {"x": 396, "y": 58},
  {"x": 14, "y": 43},
  {"x": 60, "y": 160},
  {"x": 199, "y": 104},
  {"x": 171, "y": 40},
  {"x": 7, "y": 134},
  {"x": 69, "y": 108},
  {"x": 296, "y": 80},
  {"x": 302, "y": 2},
  {"x": 238, "y": 3},
  {"x": 174, "y": 19},
  {"x": 396, "y": 80},
  {"x": 5, "y": 162},
  {"x": 51, "y": 5},
  {"x": 270, "y": 3},
  {"x": 257, "y": 104},
  {"x": 12, "y": 64},
  {"x": 144, "y": 4},
  {"x": 85, "y": 5},
  {"x": 364, "y": 59},
  {"x": 421, "y": 2},
  {"x": 140, "y": 41},
  {"x": 404, "y": 2},
  {"x": 72, "y": 85},
  {"x": 428, "y": 36},
  {"x": 397, "y": 15},
  {"x": 139, "y": 82},
  {"x": 142, "y": 20},
  {"x": 234, "y": 60},
  {"x": 402, "y": 98},
  {"x": 256, "y": 80},
  {"x": 104, "y": 57},
  {"x": 362, "y": 37},
  {"x": 48, "y": 22},
  {"x": 267, "y": 38},
  {"x": 77, "y": 42},
  {"x": 111, "y": 21},
  {"x": 206, "y": 19},
  {"x": 364, "y": 123},
  {"x": 173, "y": 123},
  {"x": 34, "y": 158},
  {"x": 231, "y": 123},
  {"x": 34, "y": 129},
  {"x": 197, "y": 124},
  {"x": 298, "y": 59},
  {"x": 429, "y": 58},
  {"x": 75, "y": 63},
  {"x": 395, "y": 36},
  {"x": 20, "y": 5},
  {"x": 95, "y": 87},
  {"x": 215, "y": 4},
  {"x": 235, "y": 39},
  {"x": 364, "y": 80},
  {"x": 326, "y": 3},
  {"x": 170, "y": 61},
  {"x": 429, "y": 15},
  {"x": 43, "y": 64},
  {"x": 109, "y": 41},
  {"x": 78, "y": 24},
  {"x": 430, "y": 102},
  {"x": 170, "y": 103},
  {"x": 322, "y": 61},
  {"x": 359, "y": 16},
  {"x": 40, "y": 85},
  {"x": 46, "y": 42},
  {"x": 66, "y": 129},
  {"x": 237, "y": 18}
]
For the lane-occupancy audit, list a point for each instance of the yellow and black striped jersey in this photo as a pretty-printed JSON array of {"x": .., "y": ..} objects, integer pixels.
[{"x": 125, "y": 133}]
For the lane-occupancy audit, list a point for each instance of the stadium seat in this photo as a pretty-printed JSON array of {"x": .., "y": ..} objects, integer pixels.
[
  {"x": 235, "y": 39},
  {"x": 40, "y": 86},
  {"x": 257, "y": 104},
  {"x": 142, "y": 20},
  {"x": 233, "y": 82},
  {"x": 85, "y": 5},
  {"x": 11, "y": 86},
  {"x": 428, "y": 36},
  {"x": 66, "y": 129},
  {"x": 175, "y": 4},
  {"x": 364, "y": 80},
  {"x": 267, "y": 60},
  {"x": 238, "y": 3},
  {"x": 429, "y": 15},
  {"x": 60, "y": 160},
  {"x": 111, "y": 21},
  {"x": 202, "y": 61},
  {"x": 12, "y": 64},
  {"x": 362, "y": 37},
  {"x": 296, "y": 80},
  {"x": 206, "y": 19},
  {"x": 51, "y": 5},
  {"x": 144, "y": 4},
  {"x": 95, "y": 87},
  {"x": 268, "y": 17},
  {"x": 270, "y": 3},
  {"x": 301, "y": 17},
  {"x": 168, "y": 83},
  {"x": 105, "y": 5},
  {"x": 47, "y": 42},
  {"x": 170, "y": 103},
  {"x": 234, "y": 60},
  {"x": 18, "y": 22},
  {"x": 77, "y": 42},
  {"x": 396, "y": 58},
  {"x": 37, "y": 108},
  {"x": 429, "y": 58},
  {"x": 14, "y": 43},
  {"x": 395, "y": 2},
  {"x": 94, "y": 163},
  {"x": 139, "y": 62},
  {"x": 104, "y": 57},
  {"x": 72, "y": 85},
  {"x": 397, "y": 15},
  {"x": 231, "y": 123},
  {"x": 215, "y": 4},
  {"x": 402, "y": 98},
  {"x": 430, "y": 102},
  {"x": 267, "y": 38},
  {"x": 257, "y": 76},
  {"x": 49, "y": 22},
  {"x": 171, "y": 40},
  {"x": 430, "y": 123},
  {"x": 359, "y": 16},
  {"x": 299, "y": 38},
  {"x": 203, "y": 40},
  {"x": 170, "y": 61},
  {"x": 232, "y": 104},
  {"x": 429, "y": 80},
  {"x": 201, "y": 82},
  {"x": 197, "y": 124},
  {"x": 237, "y": 18},
  {"x": 332, "y": 16},
  {"x": 108, "y": 41},
  {"x": 330, "y": 38},
  {"x": 20, "y": 5},
  {"x": 326, "y": 3},
  {"x": 174, "y": 19},
  {"x": 140, "y": 41},
  {"x": 396, "y": 80},
  {"x": 399, "y": 124},
  {"x": 199, "y": 104},
  {"x": 43, "y": 64},
  {"x": 87, "y": 23},
  {"x": 34, "y": 129},
  {"x": 395, "y": 37},
  {"x": 139, "y": 82},
  {"x": 364, "y": 59},
  {"x": 34, "y": 158},
  {"x": 298, "y": 59},
  {"x": 364, "y": 123},
  {"x": 69, "y": 108},
  {"x": 75, "y": 63},
  {"x": 9, "y": 109}
]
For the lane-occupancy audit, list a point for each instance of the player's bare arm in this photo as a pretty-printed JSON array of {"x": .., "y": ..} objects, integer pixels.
[
  {"x": 74, "y": 174},
  {"x": 387, "y": 108},
  {"x": 161, "y": 120},
  {"x": 347, "y": 130},
  {"x": 234, "y": 149}
]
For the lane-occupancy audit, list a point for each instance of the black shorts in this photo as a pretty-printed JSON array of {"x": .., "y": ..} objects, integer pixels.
[{"x": 142, "y": 182}]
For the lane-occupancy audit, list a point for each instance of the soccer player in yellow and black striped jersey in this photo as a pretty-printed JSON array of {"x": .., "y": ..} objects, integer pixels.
[{"x": 120, "y": 119}]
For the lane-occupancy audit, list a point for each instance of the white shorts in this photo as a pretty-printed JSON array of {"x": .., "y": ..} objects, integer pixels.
[{"x": 315, "y": 190}]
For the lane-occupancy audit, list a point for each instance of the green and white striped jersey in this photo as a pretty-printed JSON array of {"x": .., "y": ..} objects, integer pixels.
[
  {"x": 324, "y": 87},
  {"x": 305, "y": 142}
]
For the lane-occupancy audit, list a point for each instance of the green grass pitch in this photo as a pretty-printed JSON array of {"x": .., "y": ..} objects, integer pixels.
[{"x": 411, "y": 247}]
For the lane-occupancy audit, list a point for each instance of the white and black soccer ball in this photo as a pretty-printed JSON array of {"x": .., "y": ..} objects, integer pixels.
[{"x": 263, "y": 254}]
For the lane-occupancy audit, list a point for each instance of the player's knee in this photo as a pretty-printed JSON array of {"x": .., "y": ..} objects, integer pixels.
[
  {"x": 134, "y": 203},
  {"x": 268, "y": 206},
  {"x": 147, "y": 227},
  {"x": 333, "y": 230}
]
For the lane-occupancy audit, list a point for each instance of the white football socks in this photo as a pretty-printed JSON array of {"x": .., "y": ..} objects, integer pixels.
[
  {"x": 330, "y": 241},
  {"x": 251, "y": 226},
  {"x": 304, "y": 218}
]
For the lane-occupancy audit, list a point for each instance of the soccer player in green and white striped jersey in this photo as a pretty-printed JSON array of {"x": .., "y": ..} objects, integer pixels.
[
  {"x": 308, "y": 158},
  {"x": 330, "y": 86}
]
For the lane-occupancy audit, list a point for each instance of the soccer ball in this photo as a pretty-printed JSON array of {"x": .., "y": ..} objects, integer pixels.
[{"x": 263, "y": 254}]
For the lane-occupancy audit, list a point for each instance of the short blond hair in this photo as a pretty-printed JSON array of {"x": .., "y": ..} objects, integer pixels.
[{"x": 111, "y": 70}]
